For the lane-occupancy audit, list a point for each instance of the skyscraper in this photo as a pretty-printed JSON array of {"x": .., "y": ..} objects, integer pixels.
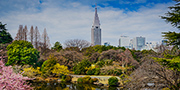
[
  {"x": 124, "y": 41},
  {"x": 96, "y": 30},
  {"x": 138, "y": 43}
]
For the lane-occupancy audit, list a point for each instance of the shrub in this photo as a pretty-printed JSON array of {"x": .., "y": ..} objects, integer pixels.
[
  {"x": 102, "y": 73},
  {"x": 80, "y": 80},
  {"x": 97, "y": 71},
  {"x": 12, "y": 81},
  {"x": 90, "y": 72},
  {"x": 80, "y": 67},
  {"x": 118, "y": 72},
  {"x": 31, "y": 72},
  {"x": 101, "y": 63},
  {"x": 113, "y": 81},
  {"x": 60, "y": 69},
  {"x": 48, "y": 66},
  {"x": 21, "y": 53}
]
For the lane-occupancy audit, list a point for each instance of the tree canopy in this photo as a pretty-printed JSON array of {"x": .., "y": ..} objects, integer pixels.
[
  {"x": 57, "y": 46},
  {"x": 5, "y": 37},
  {"x": 172, "y": 17},
  {"x": 22, "y": 52}
]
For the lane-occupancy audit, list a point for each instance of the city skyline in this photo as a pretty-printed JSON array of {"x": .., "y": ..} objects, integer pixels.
[{"x": 73, "y": 19}]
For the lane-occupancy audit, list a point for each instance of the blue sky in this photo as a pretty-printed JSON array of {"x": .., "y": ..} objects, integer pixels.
[{"x": 72, "y": 19}]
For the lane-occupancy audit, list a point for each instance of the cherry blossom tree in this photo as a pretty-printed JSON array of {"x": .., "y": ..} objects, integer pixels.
[{"x": 12, "y": 81}]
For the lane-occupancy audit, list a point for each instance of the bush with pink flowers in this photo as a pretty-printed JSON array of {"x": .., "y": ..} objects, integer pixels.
[{"x": 12, "y": 81}]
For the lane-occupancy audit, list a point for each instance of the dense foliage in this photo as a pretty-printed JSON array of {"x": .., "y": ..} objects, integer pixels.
[
  {"x": 172, "y": 37},
  {"x": 48, "y": 66},
  {"x": 173, "y": 64},
  {"x": 31, "y": 72},
  {"x": 21, "y": 53},
  {"x": 60, "y": 69},
  {"x": 57, "y": 46},
  {"x": 112, "y": 81},
  {"x": 5, "y": 37},
  {"x": 173, "y": 17},
  {"x": 87, "y": 80},
  {"x": 80, "y": 67},
  {"x": 12, "y": 81}
]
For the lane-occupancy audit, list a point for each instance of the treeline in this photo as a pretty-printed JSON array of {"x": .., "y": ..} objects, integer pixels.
[{"x": 40, "y": 42}]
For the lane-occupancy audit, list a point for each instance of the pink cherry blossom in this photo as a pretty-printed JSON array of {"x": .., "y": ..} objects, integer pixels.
[{"x": 12, "y": 81}]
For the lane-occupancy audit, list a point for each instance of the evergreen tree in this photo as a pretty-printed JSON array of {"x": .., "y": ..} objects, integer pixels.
[
  {"x": 5, "y": 37},
  {"x": 173, "y": 17},
  {"x": 57, "y": 46}
]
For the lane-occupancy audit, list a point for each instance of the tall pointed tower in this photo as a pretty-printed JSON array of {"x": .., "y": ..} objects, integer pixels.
[{"x": 96, "y": 30}]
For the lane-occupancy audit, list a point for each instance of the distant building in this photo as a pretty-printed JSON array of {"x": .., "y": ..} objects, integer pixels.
[
  {"x": 106, "y": 43},
  {"x": 150, "y": 45},
  {"x": 96, "y": 30},
  {"x": 138, "y": 43},
  {"x": 131, "y": 44},
  {"x": 124, "y": 41}
]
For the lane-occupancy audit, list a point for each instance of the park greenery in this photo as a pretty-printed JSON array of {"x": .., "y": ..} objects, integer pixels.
[
  {"x": 5, "y": 37},
  {"x": 20, "y": 61},
  {"x": 21, "y": 53}
]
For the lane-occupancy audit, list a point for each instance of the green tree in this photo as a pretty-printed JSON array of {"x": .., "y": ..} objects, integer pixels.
[
  {"x": 57, "y": 46},
  {"x": 5, "y": 37},
  {"x": 172, "y": 37},
  {"x": 80, "y": 68},
  {"x": 171, "y": 61},
  {"x": 21, "y": 53},
  {"x": 173, "y": 17},
  {"x": 48, "y": 66}
]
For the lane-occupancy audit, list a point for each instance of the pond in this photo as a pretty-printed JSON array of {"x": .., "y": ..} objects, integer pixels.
[{"x": 69, "y": 86}]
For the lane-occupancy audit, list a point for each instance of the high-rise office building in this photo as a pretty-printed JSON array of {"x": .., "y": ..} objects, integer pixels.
[
  {"x": 138, "y": 43},
  {"x": 96, "y": 30},
  {"x": 124, "y": 41}
]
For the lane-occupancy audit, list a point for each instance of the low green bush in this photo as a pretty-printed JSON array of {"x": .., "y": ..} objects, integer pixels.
[
  {"x": 87, "y": 80},
  {"x": 90, "y": 72},
  {"x": 112, "y": 81},
  {"x": 97, "y": 71},
  {"x": 80, "y": 80}
]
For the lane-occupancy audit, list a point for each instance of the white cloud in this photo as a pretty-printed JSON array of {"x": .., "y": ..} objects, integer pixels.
[
  {"x": 73, "y": 20},
  {"x": 132, "y": 2}
]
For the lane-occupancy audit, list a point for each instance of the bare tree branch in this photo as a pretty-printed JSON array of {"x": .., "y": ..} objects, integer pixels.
[{"x": 77, "y": 43}]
